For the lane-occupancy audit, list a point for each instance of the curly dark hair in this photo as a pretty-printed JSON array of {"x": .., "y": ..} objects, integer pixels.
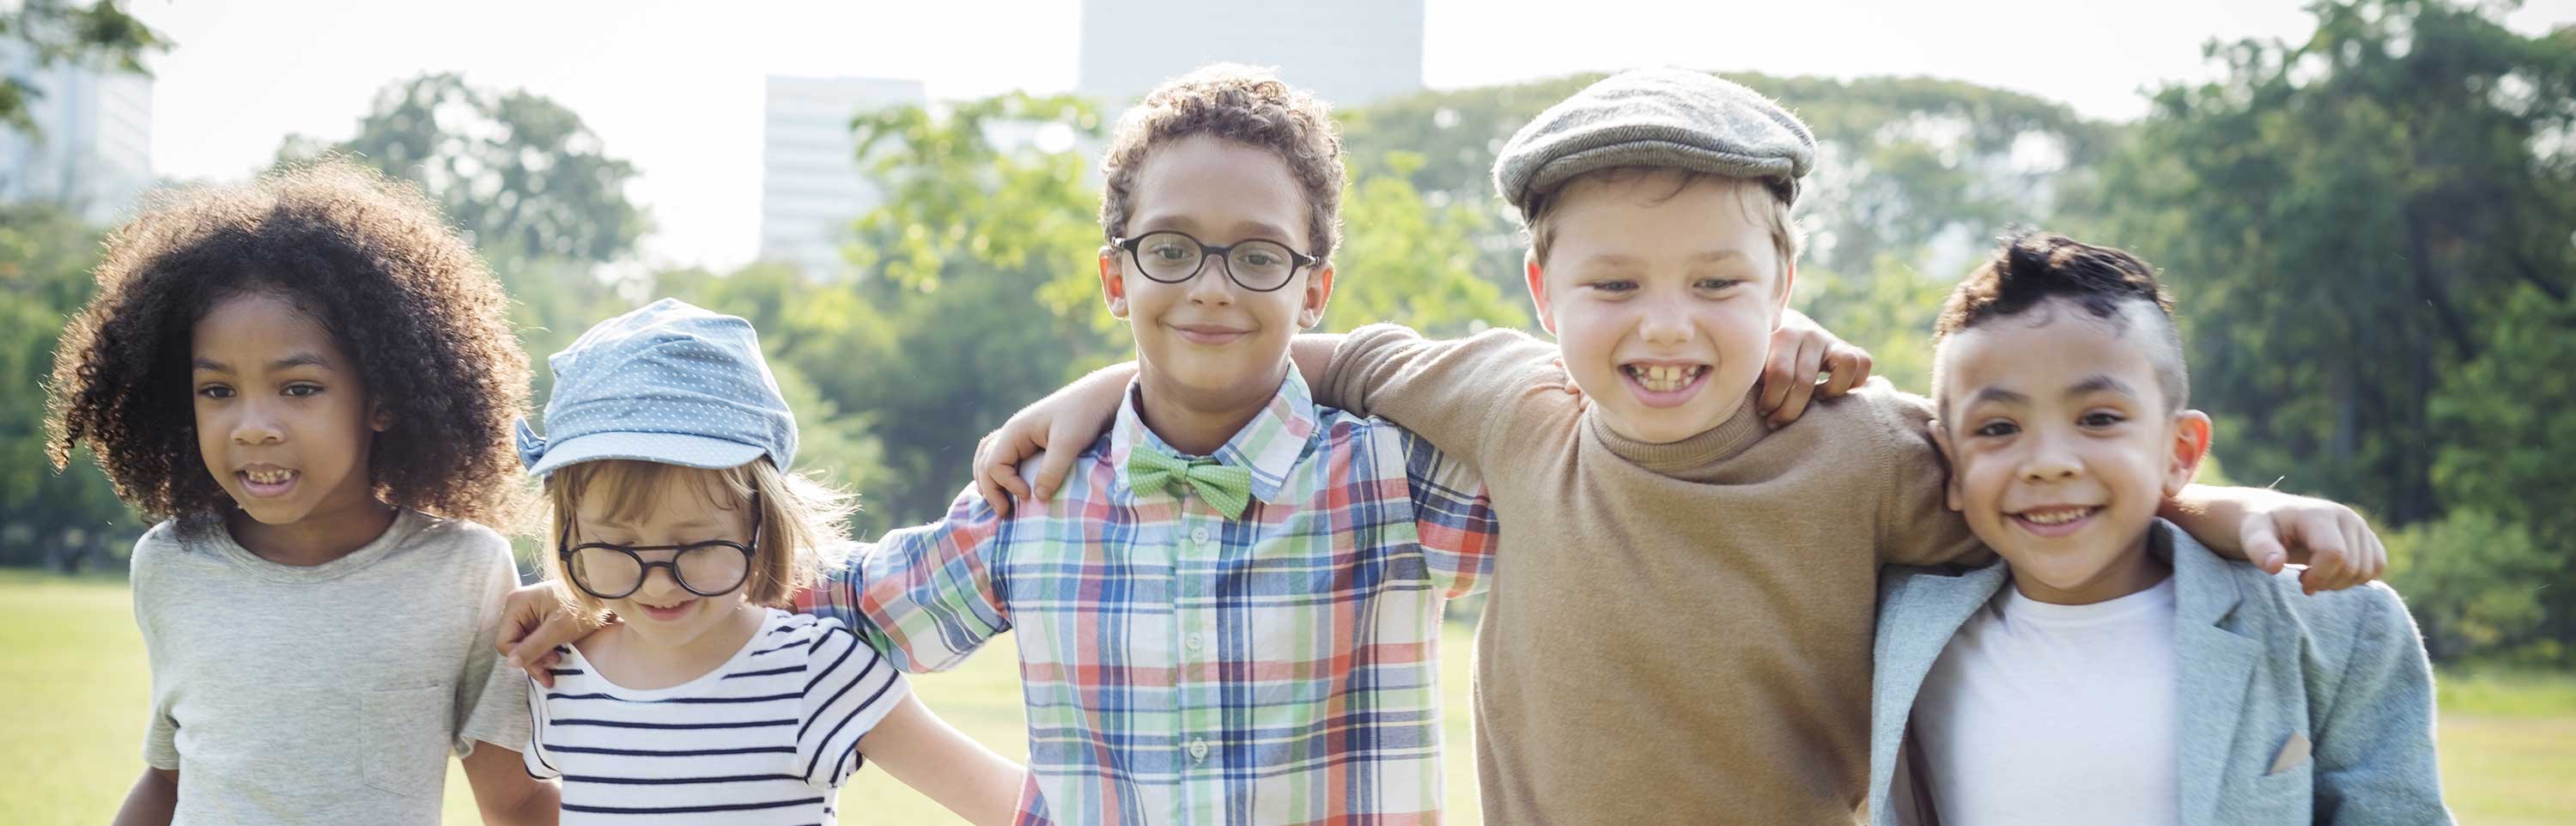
[
  {"x": 373, "y": 263},
  {"x": 1241, "y": 104}
]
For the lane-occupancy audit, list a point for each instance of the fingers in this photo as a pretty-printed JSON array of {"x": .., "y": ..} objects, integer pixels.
[
  {"x": 2262, "y": 543},
  {"x": 1801, "y": 381},
  {"x": 1779, "y": 373},
  {"x": 1063, "y": 444},
  {"x": 996, "y": 492},
  {"x": 1847, "y": 367},
  {"x": 536, "y": 652}
]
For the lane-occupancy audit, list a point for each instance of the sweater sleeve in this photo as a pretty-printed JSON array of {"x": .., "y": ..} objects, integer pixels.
[
  {"x": 1462, "y": 395},
  {"x": 1916, "y": 524}
]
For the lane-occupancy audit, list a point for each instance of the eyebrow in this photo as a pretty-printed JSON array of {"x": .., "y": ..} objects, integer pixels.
[
  {"x": 1999, "y": 395},
  {"x": 693, "y": 524},
  {"x": 1624, "y": 259},
  {"x": 296, "y": 360},
  {"x": 2100, "y": 382}
]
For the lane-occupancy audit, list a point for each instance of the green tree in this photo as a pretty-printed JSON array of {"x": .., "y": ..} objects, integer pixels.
[
  {"x": 2508, "y": 454},
  {"x": 71, "y": 518},
  {"x": 980, "y": 267},
  {"x": 517, "y": 170},
  {"x": 1407, "y": 260},
  {"x": 2341, "y": 216},
  {"x": 57, "y": 31},
  {"x": 1902, "y": 163}
]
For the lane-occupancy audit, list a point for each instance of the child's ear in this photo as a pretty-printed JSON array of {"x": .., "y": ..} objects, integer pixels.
[
  {"x": 1538, "y": 290},
  {"x": 1319, "y": 291},
  {"x": 1949, "y": 462},
  {"x": 377, "y": 417},
  {"x": 2190, "y": 445},
  {"x": 1113, "y": 284}
]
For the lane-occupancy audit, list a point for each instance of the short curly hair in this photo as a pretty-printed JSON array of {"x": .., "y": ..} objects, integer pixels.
[
  {"x": 1239, "y": 103},
  {"x": 372, "y": 262}
]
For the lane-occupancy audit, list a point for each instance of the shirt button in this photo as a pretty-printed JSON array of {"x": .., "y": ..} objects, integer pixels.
[
  {"x": 1198, "y": 641},
  {"x": 1198, "y": 749},
  {"x": 1199, "y": 535}
]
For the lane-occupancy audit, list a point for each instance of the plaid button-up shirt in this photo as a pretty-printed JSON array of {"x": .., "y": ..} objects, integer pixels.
[{"x": 1183, "y": 666}]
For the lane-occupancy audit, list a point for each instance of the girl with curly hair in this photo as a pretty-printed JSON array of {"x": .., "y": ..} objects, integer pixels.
[{"x": 309, "y": 381}]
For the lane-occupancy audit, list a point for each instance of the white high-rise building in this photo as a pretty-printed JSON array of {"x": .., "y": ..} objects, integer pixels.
[
  {"x": 92, "y": 147},
  {"x": 810, "y": 187},
  {"x": 1349, "y": 52}
]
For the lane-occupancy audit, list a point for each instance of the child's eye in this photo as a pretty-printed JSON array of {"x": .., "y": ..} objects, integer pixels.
[
  {"x": 1993, "y": 429},
  {"x": 1614, "y": 285},
  {"x": 215, "y": 391},
  {"x": 1259, "y": 259},
  {"x": 2099, "y": 420},
  {"x": 301, "y": 390},
  {"x": 1168, "y": 252},
  {"x": 1716, "y": 284}
]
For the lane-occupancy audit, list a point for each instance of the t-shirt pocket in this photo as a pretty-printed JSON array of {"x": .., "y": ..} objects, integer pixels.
[{"x": 404, "y": 738}]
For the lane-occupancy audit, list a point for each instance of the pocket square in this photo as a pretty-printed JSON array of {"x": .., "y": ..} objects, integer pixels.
[{"x": 2292, "y": 754}]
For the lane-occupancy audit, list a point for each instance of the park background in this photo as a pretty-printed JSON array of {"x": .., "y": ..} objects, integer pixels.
[{"x": 2368, "y": 214}]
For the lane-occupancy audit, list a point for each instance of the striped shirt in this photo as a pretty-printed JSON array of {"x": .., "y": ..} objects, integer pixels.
[
  {"x": 1184, "y": 666},
  {"x": 766, "y": 738}
]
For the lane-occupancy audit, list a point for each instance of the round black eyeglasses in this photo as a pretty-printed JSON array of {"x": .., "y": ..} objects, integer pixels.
[
  {"x": 712, "y": 568},
  {"x": 1258, "y": 264}
]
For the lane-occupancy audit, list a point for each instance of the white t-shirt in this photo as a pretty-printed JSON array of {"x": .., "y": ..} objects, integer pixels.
[
  {"x": 2049, "y": 714},
  {"x": 330, "y": 693},
  {"x": 766, "y": 738}
]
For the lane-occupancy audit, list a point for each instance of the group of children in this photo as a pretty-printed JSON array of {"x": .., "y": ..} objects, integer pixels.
[{"x": 1227, "y": 562}]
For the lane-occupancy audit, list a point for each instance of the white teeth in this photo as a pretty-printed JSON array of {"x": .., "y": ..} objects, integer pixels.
[
  {"x": 2056, "y": 517},
  {"x": 269, "y": 477}
]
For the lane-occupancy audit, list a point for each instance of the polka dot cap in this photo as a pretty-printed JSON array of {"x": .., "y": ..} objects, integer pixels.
[{"x": 668, "y": 382}]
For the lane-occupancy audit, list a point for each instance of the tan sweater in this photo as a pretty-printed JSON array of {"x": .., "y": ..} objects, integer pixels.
[{"x": 1677, "y": 633}]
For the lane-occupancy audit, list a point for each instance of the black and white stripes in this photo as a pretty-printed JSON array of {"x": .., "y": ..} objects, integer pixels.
[{"x": 767, "y": 738}]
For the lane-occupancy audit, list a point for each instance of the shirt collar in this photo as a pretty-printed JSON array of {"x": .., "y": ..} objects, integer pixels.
[{"x": 1269, "y": 446}]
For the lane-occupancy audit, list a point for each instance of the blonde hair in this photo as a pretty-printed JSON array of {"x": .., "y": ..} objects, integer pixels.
[
  {"x": 1772, "y": 210},
  {"x": 802, "y": 533}
]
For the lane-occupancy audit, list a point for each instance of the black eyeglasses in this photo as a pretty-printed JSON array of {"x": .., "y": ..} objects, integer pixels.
[
  {"x": 712, "y": 568},
  {"x": 1259, "y": 265}
]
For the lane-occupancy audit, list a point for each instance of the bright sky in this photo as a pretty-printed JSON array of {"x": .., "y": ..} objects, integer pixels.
[{"x": 676, "y": 86}]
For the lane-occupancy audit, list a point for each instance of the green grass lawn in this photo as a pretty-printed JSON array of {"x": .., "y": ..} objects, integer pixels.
[{"x": 76, "y": 687}]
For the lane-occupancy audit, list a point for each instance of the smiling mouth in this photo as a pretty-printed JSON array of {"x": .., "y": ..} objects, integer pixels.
[
  {"x": 267, "y": 482},
  {"x": 670, "y": 611},
  {"x": 2056, "y": 520},
  {"x": 1664, "y": 378}
]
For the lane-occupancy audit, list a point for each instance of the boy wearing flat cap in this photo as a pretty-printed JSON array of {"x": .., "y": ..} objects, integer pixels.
[{"x": 1680, "y": 619}]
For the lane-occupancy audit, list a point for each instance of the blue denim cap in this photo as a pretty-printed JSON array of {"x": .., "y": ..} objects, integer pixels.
[{"x": 668, "y": 382}]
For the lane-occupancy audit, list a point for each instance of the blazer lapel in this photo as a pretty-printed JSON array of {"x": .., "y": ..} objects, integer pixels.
[
  {"x": 1916, "y": 620},
  {"x": 2214, "y": 667}
]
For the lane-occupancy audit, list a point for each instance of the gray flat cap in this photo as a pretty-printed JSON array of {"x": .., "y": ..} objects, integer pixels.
[{"x": 1674, "y": 118}]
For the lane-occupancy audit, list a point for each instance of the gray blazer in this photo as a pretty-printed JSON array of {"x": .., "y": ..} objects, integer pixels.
[{"x": 2292, "y": 708}]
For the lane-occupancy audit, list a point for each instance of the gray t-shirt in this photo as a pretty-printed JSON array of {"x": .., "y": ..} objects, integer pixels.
[{"x": 325, "y": 694}]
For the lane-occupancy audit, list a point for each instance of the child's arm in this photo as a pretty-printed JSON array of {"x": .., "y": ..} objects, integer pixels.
[
  {"x": 926, "y": 753},
  {"x": 2373, "y": 742},
  {"x": 2270, "y": 528},
  {"x": 924, "y": 595},
  {"x": 1079, "y": 412},
  {"x": 505, "y": 793},
  {"x": 152, "y": 801}
]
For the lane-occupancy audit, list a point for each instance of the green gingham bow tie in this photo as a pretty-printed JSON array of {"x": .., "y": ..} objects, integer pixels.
[{"x": 1223, "y": 487}]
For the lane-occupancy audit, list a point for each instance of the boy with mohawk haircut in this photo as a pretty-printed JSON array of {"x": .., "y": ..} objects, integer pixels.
[{"x": 2110, "y": 669}]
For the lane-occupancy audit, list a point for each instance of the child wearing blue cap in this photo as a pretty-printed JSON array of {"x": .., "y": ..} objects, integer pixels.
[
  {"x": 667, "y": 471},
  {"x": 310, "y": 379}
]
